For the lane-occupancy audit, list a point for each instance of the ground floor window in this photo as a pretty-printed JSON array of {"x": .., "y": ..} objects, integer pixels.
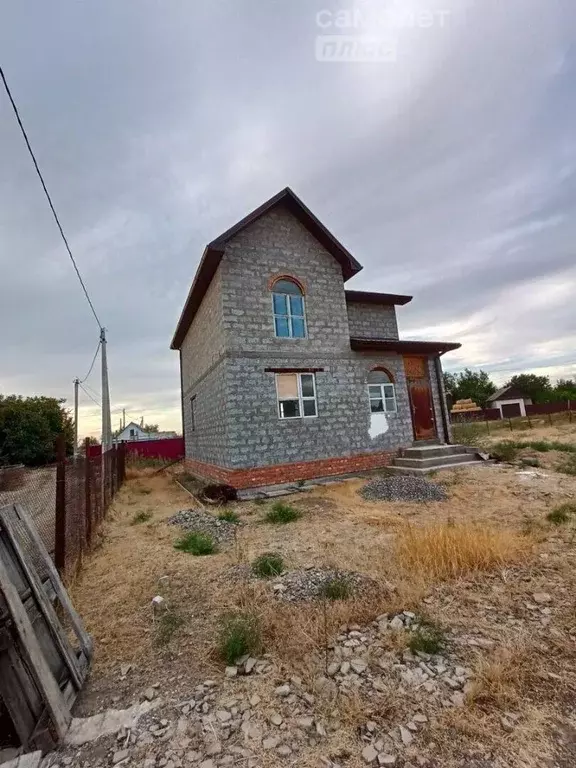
[
  {"x": 296, "y": 394},
  {"x": 381, "y": 392}
]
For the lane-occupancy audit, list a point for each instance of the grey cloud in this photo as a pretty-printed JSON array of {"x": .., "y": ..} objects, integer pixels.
[{"x": 450, "y": 174}]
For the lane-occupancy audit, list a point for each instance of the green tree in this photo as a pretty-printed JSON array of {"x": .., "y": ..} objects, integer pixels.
[
  {"x": 469, "y": 384},
  {"x": 150, "y": 428},
  {"x": 29, "y": 427},
  {"x": 537, "y": 388},
  {"x": 565, "y": 389}
]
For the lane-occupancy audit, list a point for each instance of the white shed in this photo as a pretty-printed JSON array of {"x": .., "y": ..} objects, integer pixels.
[{"x": 510, "y": 401}]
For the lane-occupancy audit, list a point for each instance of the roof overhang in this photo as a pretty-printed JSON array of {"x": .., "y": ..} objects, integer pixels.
[
  {"x": 368, "y": 297},
  {"x": 215, "y": 250},
  {"x": 405, "y": 347}
]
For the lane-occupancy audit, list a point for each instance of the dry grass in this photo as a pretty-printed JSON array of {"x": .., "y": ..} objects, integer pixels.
[
  {"x": 447, "y": 551},
  {"x": 503, "y": 679}
]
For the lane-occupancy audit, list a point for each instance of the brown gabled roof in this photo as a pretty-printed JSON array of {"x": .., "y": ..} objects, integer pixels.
[
  {"x": 214, "y": 251},
  {"x": 511, "y": 392},
  {"x": 407, "y": 347},
  {"x": 367, "y": 297}
]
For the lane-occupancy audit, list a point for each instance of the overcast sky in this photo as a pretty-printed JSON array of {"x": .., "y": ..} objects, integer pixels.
[{"x": 448, "y": 170}]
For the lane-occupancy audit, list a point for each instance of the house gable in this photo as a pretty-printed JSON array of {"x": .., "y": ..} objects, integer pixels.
[
  {"x": 215, "y": 250},
  {"x": 278, "y": 245}
]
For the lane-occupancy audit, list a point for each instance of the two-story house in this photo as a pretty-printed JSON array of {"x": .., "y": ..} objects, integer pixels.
[{"x": 286, "y": 375}]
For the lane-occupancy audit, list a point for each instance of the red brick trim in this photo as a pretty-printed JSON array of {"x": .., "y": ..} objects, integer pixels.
[
  {"x": 387, "y": 371},
  {"x": 288, "y": 473},
  {"x": 283, "y": 276}
]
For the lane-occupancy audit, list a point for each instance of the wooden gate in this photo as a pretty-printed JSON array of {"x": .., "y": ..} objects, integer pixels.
[
  {"x": 421, "y": 405},
  {"x": 44, "y": 649}
]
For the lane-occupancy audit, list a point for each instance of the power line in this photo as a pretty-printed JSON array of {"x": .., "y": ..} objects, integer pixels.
[
  {"x": 15, "y": 108},
  {"x": 91, "y": 364},
  {"x": 90, "y": 396},
  {"x": 91, "y": 389}
]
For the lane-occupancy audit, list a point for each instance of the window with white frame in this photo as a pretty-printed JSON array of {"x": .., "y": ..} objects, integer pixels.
[
  {"x": 296, "y": 394},
  {"x": 381, "y": 392},
  {"x": 288, "y": 308}
]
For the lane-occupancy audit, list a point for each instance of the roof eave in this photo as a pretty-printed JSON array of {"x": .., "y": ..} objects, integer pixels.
[
  {"x": 400, "y": 345},
  {"x": 371, "y": 297}
]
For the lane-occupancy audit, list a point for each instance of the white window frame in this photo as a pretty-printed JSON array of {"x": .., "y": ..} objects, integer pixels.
[
  {"x": 382, "y": 396},
  {"x": 301, "y": 397},
  {"x": 290, "y": 315}
]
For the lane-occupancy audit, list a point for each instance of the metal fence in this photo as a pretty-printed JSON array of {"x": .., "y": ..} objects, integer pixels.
[{"x": 67, "y": 500}]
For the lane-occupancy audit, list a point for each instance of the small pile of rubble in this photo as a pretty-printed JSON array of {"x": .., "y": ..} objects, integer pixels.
[
  {"x": 402, "y": 488},
  {"x": 203, "y": 522},
  {"x": 310, "y": 583},
  {"x": 361, "y": 660}
]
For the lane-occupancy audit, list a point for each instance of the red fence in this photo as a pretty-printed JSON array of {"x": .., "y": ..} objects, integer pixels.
[
  {"x": 546, "y": 408},
  {"x": 493, "y": 414},
  {"x": 170, "y": 449}
]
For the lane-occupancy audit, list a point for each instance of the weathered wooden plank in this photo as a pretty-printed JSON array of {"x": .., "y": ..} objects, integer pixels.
[
  {"x": 83, "y": 637},
  {"x": 45, "y": 606},
  {"x": 14, "y": 690},
  {"x": 60, "y": 713}
]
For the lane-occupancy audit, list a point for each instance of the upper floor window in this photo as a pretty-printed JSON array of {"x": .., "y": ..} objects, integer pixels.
[
  {"x": 288, "y": 306},
  {"x": 382, "y": 392}
]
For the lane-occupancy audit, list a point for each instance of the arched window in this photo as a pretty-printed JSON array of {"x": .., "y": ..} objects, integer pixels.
[
  {"x": 288, "y": 307},
  {"x": 381, "y": 392}
]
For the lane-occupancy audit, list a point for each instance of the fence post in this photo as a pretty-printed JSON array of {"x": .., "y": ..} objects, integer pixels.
[
  {"x": 87, "y": 492},
  {"x": 60, "y": 516}
]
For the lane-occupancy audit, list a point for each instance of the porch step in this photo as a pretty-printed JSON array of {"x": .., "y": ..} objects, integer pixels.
[
  {"x": 430, "y": 451},
  {"x": 427, "y": 470},
  {"x": 429, "y": 458}
]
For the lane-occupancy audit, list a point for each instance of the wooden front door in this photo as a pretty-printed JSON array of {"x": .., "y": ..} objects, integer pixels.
[{"x": 421, "y": 405}]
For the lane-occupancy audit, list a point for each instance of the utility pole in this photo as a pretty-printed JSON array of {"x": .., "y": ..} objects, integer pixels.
[
  {"x": 76, "y": 383},
  {"x": 123, "y": 418},
  {"x": 106, "y": 424}
]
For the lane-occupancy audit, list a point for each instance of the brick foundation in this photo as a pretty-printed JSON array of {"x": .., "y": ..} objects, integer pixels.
[{"x": 288, "y": 473}]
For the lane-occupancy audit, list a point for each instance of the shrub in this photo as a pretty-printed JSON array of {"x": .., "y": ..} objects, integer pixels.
[
  {"x": 239, "y": 634},
  {"x": 470, "y": 433},
  {"x": 168, "y": 624},
  {"x": 561, "y": 514},
  {"x": 282, "y": 513},
  {"x": 427, "y": 638},
  {"x": 196, "y": 543},
  {"x": 530, "y": 461},
  {"x": 220, "y": 494},
  {"x": 268, "y": 564},
  {"x": 141, "y": 517},
  {"x": 505, "y": 450},
  {"x": 445, "y": 551},
  {"x": 229, "y": 516},
  {"x": 336, "y": 588},
  {"x": 567, "y": 465}
]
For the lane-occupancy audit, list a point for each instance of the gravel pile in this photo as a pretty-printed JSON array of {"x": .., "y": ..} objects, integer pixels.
[
  {"x": 308, "y": 583},
  {"x": 402, "y": 488},
  {"x": 203, "y": 522}
]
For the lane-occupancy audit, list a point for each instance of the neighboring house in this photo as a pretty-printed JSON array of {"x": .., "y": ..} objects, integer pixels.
[
  {"x": 285, "y": 375},
  {"x": 134, "y": 431},
  {"x": 510, "y": 401}
]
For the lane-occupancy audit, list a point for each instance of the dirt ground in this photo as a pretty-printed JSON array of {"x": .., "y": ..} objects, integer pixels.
[{"x": 518, "y": 711}]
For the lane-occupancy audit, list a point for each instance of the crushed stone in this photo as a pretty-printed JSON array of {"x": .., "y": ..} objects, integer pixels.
[
  {"x": 402, "y": 488},
  {"x": 203, "y": 522}
]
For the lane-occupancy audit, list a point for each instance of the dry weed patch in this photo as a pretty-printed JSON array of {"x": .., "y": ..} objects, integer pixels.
[
  {"x": 503, "y": 679},
  {"x": 445, "y": 551}
]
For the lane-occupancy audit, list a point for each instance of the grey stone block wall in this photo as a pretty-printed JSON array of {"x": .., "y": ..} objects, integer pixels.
[
  {"x": 208, "y": 440},
  {"x": 258, "y": 437},
  {"x": 204, "y": 344},
  {"x": 277, "y": 244},
  {"x": 372, "y": 321}
]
